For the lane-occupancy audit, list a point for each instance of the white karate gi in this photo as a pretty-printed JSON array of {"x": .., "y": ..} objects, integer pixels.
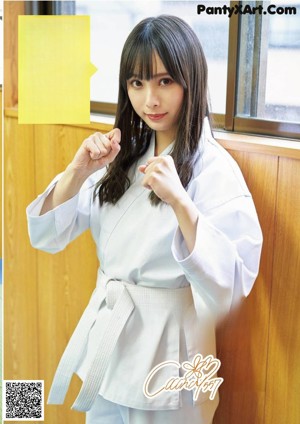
[{"x": 142, "y": 245}]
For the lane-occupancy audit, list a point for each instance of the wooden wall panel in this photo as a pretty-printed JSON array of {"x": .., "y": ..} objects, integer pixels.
[
  {"x": 66, "y": 279},
  {"x": 46, "y": 294},
  {"x": 12, "y": 9},
  {"x": 243, "y": 339},
  {"x": 20, "y": 286},
  {"x": 283, "y": 392},
  {"x": 1, "y": 174},
  {"x": 55, "y": 147}
]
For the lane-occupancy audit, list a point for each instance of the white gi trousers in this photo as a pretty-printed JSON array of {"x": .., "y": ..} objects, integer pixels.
[{"x": 106, "y": 412}]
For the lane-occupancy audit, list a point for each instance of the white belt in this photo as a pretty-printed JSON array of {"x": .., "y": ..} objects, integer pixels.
[{"x": 121, "y": 297}]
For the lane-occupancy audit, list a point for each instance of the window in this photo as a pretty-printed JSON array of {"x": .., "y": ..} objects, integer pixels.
[
  {"x": 114, "y": 21},
  {"x": 268, "y": 88},
  {"x": 252, "y": 49}
]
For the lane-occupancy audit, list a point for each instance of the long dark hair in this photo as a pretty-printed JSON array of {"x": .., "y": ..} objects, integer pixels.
[{"x": 181, "y": 53}]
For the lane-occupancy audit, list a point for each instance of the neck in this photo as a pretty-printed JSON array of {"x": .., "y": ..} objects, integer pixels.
[{"x": 162, "y": 141}]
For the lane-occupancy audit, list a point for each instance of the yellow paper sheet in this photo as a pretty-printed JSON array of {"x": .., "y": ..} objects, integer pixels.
[{"x": 54, "y": 69}]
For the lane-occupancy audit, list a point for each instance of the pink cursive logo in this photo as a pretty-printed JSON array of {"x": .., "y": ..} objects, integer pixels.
[{"x": 199, "y": 376}]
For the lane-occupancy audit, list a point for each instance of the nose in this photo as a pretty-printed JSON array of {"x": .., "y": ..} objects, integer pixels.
[{"x": 152, "y": 98}]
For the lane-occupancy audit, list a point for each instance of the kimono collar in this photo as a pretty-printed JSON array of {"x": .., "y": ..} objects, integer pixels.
[
  {"x": 206, "y": 133},
  {"x": 151, "y": 149}
]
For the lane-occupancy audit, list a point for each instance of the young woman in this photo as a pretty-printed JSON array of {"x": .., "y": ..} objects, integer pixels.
[{"x": 177, "y": 236}]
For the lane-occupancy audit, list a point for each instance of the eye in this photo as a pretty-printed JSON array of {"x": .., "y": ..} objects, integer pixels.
[
  {"x": 165, "y": 81},
  {"x": 135, "y": 83}
]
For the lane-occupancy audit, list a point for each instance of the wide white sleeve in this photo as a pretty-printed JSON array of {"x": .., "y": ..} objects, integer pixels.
[
  {"x": 52, "y": 231},
  {"x": 224, "y": 263}
]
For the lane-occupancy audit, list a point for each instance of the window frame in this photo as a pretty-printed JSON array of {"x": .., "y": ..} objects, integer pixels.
[
  {"x": 249, "y": 125},
  {"x": 230, "y": 121}
]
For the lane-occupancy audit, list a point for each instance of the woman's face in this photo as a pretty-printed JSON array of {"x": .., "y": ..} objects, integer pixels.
[{"x": 157, "y": 101}]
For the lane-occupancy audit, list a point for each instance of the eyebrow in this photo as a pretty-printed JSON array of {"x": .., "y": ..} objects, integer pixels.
[{"x": 159, "y": 75}]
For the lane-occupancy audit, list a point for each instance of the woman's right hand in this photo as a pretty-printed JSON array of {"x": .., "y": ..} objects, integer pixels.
[{"x": 96, "y": 152}]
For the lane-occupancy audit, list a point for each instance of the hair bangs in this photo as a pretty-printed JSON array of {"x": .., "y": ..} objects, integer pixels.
[
  {"x": 139, "y": 56},
  {"x": 140, "y": 62}
]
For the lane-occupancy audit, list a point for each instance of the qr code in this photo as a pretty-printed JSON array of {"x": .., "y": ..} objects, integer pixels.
[{"x": 23, "y": 400}]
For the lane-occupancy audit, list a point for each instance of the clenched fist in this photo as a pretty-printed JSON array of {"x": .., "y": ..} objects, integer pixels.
[{"x": 96, "y": 152}]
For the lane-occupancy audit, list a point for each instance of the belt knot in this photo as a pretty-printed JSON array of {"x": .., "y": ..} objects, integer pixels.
[{"x": 114, "y": 289}]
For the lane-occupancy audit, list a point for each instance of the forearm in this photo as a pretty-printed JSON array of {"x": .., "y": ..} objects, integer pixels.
[
  {"x": 187, "y": 217},
  {"x": 66, "y": 188}
]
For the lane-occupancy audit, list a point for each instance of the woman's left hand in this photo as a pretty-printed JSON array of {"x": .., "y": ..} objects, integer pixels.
[{"x": 161, "y": 177}]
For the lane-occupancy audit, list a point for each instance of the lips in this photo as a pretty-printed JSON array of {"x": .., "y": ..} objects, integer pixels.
[{"x": 156, "y": 116}]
